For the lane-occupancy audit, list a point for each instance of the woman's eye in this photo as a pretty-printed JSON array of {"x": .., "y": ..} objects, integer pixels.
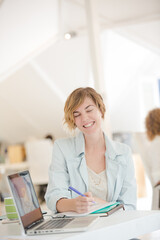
[
  {"x": 75, "y": 116},
  {"x": 90, "y": 110}
]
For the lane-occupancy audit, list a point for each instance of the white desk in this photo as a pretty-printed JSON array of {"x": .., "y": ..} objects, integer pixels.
[
  {"x": 4, "y": 167},
  {"x": 119, "y": 226}
]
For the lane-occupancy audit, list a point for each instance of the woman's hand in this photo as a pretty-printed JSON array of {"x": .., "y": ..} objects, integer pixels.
[
  {"x": 79, "y": 204},
  {"x": 83, "y": 204}
]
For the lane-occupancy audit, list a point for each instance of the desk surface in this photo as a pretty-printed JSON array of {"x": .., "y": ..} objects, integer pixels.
[
  {"x": 121, "y": 226},
  {"x": 13, "y": 166}
]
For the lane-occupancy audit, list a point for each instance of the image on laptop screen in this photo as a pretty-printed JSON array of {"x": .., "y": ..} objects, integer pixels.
[{"x": 25, "y": 198}]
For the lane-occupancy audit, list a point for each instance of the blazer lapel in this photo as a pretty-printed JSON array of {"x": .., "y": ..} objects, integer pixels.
[
  {"x": 112, "y": 173},
  {"x": 80, "y": 151},
  {"x": 112, "y": 168},
  {"x": 83, "y": 172}
]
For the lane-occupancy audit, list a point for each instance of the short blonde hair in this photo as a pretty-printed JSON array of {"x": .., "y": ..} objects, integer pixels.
[
  {"x": 75, "y": 99},
  {"x": 152, "y": 123}
]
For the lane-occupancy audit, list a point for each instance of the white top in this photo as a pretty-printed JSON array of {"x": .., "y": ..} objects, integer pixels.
[
  {"x": 97, "y": 184},
  {"x": 150, "y": 153},
  {"x": 153, "y": 158}
]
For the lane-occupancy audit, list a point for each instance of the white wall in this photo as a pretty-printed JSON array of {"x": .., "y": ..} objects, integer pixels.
[
  {"x": 25, "y": 26},
  {"x": 32, "y": 99},
  {"x": 128, "y": 69}
]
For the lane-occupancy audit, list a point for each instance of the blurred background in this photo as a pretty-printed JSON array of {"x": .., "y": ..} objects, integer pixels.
[{"x": 50, "y": 47}]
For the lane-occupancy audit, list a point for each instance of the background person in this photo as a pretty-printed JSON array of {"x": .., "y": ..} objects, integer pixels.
[
  {"x": 152, "y": 123},
  {"x": 90, "y": 161}
]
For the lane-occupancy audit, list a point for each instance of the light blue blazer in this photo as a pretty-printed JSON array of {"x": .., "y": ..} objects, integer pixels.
[{"x": 68, "y": 168}]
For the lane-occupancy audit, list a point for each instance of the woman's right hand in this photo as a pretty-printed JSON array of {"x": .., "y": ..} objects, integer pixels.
[{"x": 83, "y": 204}]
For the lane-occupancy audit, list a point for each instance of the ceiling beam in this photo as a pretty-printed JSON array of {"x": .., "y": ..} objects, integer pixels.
[
  {"x": 24, "y": 116},
  {"x": 129, "y": 21},
  {"x": 29, "y": 57},
  {"x": 96, "y": 54},
  {"x": 48, "y": 81}
]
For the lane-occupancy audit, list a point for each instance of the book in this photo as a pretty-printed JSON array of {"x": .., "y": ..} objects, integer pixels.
[
  {"x": 111, "y": 210},
  {"x": 97, "y": 208}
]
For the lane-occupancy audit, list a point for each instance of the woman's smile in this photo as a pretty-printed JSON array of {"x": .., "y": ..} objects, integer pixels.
[{"x": 89, "y": 124}]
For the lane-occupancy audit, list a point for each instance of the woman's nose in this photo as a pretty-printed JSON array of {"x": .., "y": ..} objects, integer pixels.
[{"x": 84, "y": 117}]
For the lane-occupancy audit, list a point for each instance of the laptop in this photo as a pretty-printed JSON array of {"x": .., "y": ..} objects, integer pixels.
[{"x": 30, "y": 214}]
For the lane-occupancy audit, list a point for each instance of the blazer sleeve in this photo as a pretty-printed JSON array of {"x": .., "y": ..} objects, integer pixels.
[
  {"x": 58, "y": 178},
  {"x": 128, "y": 194}
]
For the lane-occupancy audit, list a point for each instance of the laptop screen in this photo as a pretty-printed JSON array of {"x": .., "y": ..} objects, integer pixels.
[{"x": 25, "y": 198}]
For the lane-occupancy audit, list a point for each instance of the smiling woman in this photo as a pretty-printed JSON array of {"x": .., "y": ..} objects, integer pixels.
[
  {"x": 102, "y": 169},
  {"x": 87, "y": 116},
  {"x": 75, "y": 100}
]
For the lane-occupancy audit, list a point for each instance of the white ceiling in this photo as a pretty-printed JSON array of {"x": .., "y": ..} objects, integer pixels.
[{"x": 40, "y": 70}]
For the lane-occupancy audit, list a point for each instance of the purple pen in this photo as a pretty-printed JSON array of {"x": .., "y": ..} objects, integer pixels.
[{"x": 76, "y": 191}]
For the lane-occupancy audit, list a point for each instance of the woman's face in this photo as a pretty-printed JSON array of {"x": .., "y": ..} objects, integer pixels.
[{"x": 88, "y": 117}]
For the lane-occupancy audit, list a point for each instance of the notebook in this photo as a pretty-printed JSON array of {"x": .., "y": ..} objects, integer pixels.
[
  {"x": 30, "y": 213},
  {"x": 98, "y": 208}
]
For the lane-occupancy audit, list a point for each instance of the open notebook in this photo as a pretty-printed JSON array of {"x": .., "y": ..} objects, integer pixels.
[{"x": 95, "y": 209}]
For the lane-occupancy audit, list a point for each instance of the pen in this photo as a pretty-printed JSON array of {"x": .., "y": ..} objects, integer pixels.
[{"x": 76, "y": 191}]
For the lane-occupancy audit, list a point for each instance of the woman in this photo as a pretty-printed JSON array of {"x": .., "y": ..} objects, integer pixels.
[
  {"x": 89, "y": 162},
  {"x": 152, "y": 123}
]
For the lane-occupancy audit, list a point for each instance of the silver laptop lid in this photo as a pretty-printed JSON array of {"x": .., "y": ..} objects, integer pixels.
[{"x": 25, "y": 198}]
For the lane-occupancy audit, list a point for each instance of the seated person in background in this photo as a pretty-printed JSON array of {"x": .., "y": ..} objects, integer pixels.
[
  {"x": 90, "y": 161},
  {"x": 50, "y": 137},
  {"x": 152, "y": 123}
]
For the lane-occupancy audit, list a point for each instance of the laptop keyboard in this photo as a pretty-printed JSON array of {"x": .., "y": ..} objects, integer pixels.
[{"x": 56, "y": 223}]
